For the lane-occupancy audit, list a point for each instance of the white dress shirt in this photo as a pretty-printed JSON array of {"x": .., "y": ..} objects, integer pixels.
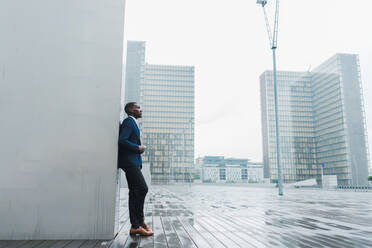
[{"x": 135, "y": 120}]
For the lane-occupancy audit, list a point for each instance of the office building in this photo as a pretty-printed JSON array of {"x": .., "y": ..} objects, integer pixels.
[
  {"x": 217, "y": 169},
  {"x": 134, "y": 70},
  {"x": 321, "y": 123},
  {"x": 167, "y": 99},
  {"x": 295, "y": 124},
  {"x": 166, "y": 94}
]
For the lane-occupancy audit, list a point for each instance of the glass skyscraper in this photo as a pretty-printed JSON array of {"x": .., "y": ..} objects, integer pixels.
[
  {"x": 134, "y": 70},
  {"x": 166, "y": 94},
  {"x": 321, "y": 123}
]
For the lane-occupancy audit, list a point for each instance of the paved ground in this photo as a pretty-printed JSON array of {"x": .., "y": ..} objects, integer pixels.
[{"x": 231, "y": 216}]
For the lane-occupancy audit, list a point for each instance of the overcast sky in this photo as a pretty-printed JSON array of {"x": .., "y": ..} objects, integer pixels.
[{"x": 227, "y": 43}]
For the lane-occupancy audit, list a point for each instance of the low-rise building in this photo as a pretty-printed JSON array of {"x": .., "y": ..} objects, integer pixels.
[{"x": 217, "y": 169}]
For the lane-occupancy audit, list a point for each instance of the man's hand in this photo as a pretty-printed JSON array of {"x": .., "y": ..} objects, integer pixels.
[{"x": 142, "y": 149}]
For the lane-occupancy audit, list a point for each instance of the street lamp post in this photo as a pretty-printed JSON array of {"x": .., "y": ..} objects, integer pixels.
[
  {"x": 273, "y": 42},
  {"x": 184, "y": 149},
  {"x": 170, "y": 167},
  {"x": 184, "y": 153},
  {"x": 192, "y": 163}
]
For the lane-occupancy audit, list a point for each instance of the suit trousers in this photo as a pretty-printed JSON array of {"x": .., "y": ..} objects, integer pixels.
[{"x": 137, "y": 193}]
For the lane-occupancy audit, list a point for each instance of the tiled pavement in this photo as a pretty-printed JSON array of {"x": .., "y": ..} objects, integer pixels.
[{"x": 232, "y": 216}]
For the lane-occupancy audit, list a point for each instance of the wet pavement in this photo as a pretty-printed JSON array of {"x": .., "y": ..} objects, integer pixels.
[{"x": 233, "y": 216}]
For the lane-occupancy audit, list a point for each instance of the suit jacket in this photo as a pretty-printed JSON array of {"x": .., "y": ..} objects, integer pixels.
[{"x": 129, "y": 142}]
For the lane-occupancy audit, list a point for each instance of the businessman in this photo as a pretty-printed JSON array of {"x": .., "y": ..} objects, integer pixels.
[{"x": 130, "y": 161}]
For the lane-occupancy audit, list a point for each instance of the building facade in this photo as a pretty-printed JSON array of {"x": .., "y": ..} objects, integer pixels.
[
  {"x": 134, "y": 70},
  {"x": 296, "y": 127},
  {"x": 167, "y": 98},
  {"x": 62, "y": 61},
  {"x": 217, "y": 169},
  {"x": 321, "y": 123},
  {"x": 166, "y": 94}
]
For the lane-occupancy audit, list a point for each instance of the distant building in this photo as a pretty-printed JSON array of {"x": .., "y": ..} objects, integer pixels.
[
  {"x": 217, "y": 169},
  {"x": 135, "y": 68},
  {"x": 167, "y": 99},
  {"x": 166, "y": 94},
  {"x": 321, "y": 122}
]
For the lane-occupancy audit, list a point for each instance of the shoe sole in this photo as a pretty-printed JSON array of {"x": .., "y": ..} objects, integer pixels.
[{"x": 135, "y": 234}]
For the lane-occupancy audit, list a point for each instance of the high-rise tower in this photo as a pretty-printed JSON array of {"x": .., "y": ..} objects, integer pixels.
[
  {"x": 321, "y": 123},
  {"x": 166, "y": 94}
]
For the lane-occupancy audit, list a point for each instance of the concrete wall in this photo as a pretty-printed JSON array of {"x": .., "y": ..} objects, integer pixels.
[{"x": 60, "y": 79}]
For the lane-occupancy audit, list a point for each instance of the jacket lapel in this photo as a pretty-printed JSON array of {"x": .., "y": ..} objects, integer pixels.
[{"x": 135, "y": 126}]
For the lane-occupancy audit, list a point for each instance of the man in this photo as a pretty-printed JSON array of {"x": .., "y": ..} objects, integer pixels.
[{"x": 129, "y": 160}]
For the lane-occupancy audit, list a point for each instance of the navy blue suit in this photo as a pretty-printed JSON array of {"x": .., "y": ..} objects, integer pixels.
[
  {"x": 129, "y": 160},
  {"x": 129, "y": 141}
]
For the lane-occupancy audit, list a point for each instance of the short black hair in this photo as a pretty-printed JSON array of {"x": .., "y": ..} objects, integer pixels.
[{"x": 128, "y": 107}]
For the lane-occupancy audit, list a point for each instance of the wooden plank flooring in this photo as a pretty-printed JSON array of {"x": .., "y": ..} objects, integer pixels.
[{"x": 228, "y": 217}]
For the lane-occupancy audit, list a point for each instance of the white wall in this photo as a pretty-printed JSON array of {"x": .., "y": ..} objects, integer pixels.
[{"x": 60, "y": 79}]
